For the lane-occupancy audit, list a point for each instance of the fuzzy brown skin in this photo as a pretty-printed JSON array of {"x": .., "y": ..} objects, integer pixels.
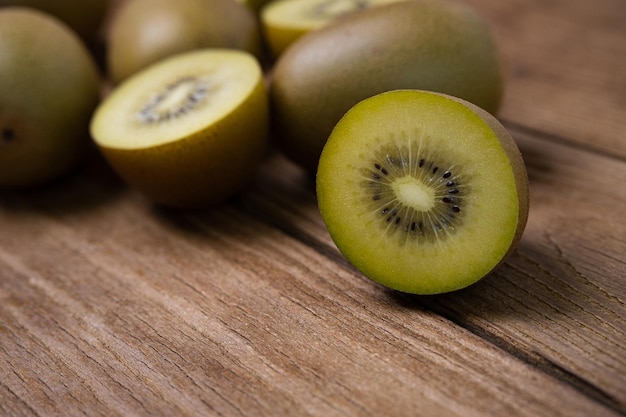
[
  {"x": 49, "y": 87},
  {"x": 146, "y": 31},
  {"x": 430, "y": 45},
  {"x": 84, "y": 17}
]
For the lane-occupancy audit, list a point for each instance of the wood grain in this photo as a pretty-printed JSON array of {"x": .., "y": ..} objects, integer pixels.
[
  {"x": 130, "y": 309},
  {"x": 111, "y": 306},
  {"x": 565, "y": 68}
]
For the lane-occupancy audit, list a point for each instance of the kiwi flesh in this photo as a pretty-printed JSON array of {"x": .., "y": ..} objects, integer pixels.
[
  {"x": 49, "y": 87},
  {"x": 422, "y": 192},
  {"x": 434, "y": 45},
  {"x": 188, "y": 131},
  {"x": 285, "y": 21},
  {"x": 143, "y": 32}
]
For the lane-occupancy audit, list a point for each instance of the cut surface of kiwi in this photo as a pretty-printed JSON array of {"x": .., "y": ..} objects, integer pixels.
[
  {"x": 189, "y": 130},
  {"x": 422, "y": 192},
  {"x": 284, "y": 21}
]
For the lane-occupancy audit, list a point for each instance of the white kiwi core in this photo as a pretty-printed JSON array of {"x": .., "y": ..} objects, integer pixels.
[
  {"x": 175, "y": 98},
  {"x": 414, "y": 193}
]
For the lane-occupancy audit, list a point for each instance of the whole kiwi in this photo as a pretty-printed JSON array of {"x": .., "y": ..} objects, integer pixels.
[
  {"x": 143, "y": 32},
  {"x": 434, "y": 45},
  {"x": 49, "y": 87},
  {"x": 84, "y": 17}
]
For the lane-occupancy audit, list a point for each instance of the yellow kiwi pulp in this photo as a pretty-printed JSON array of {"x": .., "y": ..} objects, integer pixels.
[
  {"x": 49, "y": 87},
  {"x": 188, "y": 131},
  {"x": 422, "y": 192},
  {"x": 284, "y": 21}
]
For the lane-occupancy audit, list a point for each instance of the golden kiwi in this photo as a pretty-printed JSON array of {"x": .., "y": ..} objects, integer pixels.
[
  {"x": 424, "y": 193},
  {"x": 188, "y": 131},
  {"x": 434, "y": 45},
  {"x": 49, "y": 87},
  {"x": 145, "y": 31}
]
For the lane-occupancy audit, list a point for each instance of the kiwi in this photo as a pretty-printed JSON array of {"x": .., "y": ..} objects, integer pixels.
[
  {"x": 84, "y": 17},
  {"x": 434, "y": 45},
  {"x": 189, "y": 130},
  {"x": 284, "y": 21},
  {"x": 143, "y": 32},
  {"x": 422, "y": 192},
  {"x": 255, "y": 5},
  {"x": 49, "y": 87}
]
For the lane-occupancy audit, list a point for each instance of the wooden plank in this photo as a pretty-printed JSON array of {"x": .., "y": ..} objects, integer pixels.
[
  {"x": 566, "y": 66},
  {"x": 110, "y": 306}
]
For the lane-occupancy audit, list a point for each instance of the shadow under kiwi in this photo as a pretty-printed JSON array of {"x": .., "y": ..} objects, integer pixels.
[
  {"x": 90, "y": 184},
  {"x": 525, "y": 286}
]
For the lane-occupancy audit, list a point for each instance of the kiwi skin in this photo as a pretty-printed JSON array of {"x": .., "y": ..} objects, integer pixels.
[
  {"x": 84, "y": 17},
  {"x": 435, "y": 45},
  {"x": 212, "y": 171},
  {"x": 143, "y": 32},
  {"x": 49, "y": 88},
  {"x": 408, "y": 280}
]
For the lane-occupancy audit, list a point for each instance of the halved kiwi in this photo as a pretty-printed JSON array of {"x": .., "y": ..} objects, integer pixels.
[
  {"x": 284, "y": 21},
  {"x": 188, "y": 131},
  {"x": 422, "y": 192}
]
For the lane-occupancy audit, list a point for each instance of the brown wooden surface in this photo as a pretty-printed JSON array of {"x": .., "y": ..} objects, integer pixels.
[{"x": 111, "y": 306}]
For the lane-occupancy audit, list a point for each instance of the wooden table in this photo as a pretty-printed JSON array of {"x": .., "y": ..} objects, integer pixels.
[{"x": 111, "y": 306}]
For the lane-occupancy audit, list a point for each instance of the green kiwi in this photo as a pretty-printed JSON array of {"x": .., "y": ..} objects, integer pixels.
[
  {"x": 422, "y": 192},
  {"x": 49, "y": 87},
  {"x": 285, "y": 21},
  {"x": 84, "y": 17},
  {"x": 188, "y": 131},
  {"x": 143, "y": 32},
  {"x": 434, "y": 45}
]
